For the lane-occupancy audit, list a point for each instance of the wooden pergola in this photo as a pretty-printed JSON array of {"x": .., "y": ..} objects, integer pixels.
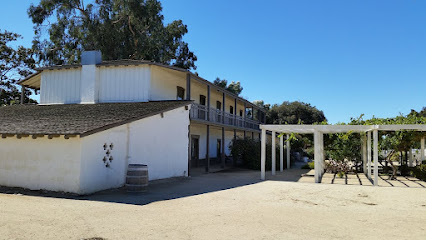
[{"x": 319, "y": 130}]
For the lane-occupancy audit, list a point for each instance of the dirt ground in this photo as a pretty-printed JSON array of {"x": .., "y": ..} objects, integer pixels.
[{"x": 228, "y": 205}]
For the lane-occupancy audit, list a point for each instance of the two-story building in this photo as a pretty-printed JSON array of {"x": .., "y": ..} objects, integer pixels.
[{"x": 165, "y": 117}]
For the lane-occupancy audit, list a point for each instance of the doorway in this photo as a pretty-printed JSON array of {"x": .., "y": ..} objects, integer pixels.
[
  {"x": 219, "y": 150},
  {"x": 195, "y": 150}
]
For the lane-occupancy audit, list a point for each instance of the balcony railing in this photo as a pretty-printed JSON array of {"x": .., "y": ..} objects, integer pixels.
[{"x": 217, "y": 116}]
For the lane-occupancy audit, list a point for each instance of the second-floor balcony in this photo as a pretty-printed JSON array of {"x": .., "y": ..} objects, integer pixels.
[{"x": 200, "y": 112}]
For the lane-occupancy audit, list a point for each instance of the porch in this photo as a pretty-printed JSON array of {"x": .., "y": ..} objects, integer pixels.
[{"x": 216, "y": 116}]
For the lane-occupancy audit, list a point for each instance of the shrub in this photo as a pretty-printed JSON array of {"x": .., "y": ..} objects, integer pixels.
[
  {"x": 309, "y": 165},
  {"x": 420, "y": 172},
  {"x": 246, "y": 153},
  {"x": 405, "y": 170}
]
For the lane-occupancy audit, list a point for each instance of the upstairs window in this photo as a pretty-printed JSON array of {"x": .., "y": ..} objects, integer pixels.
[
  {"x": 218, "y": 105},
  {"x": 180, "y": 93},
  {"x": 241, "y": 113},
  {"x": 231, "y": 109},
  {"x": 203, "y": 100}
]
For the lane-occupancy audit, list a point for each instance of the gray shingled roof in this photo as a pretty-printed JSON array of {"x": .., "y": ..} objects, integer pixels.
[{"x": 77, "y": 119}]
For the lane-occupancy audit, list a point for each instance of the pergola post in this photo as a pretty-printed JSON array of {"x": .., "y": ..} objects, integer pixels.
[
  {"x": 288, "y": 151},
  {"x": 422, "y": 150},
  {"x": 207, "y": 149},
  {"x": 318, "y": 155},
  {"x": 376, "y": 156},
  {"x": 364, "y": 152},
  {"x": 262, "y": 154},
  {"x": 281, "y": 153},
  {"x": 274, "y": 159},
  {"x": 369, "y": 155}
]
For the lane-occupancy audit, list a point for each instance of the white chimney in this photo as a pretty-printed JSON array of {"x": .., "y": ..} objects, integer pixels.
[{"x": 90, "y": 76}]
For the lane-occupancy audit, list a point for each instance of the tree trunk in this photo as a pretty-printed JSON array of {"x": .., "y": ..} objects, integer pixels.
[{"x": 394, "y": 169}]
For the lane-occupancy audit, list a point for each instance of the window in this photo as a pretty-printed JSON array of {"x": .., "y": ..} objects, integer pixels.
[
  {"x": 180, "y": 93},
  {"x": 241, "y": 113},
  {"x": 203, "y": 100},
  {"x": 231, "y": 109},
  {"x": 218, "y": 105}
]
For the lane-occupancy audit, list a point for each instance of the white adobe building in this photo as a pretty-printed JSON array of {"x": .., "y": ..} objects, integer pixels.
[{"x": 96, "y": 118}]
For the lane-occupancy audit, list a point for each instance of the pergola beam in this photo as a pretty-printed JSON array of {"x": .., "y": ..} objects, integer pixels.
[{"x": 341, "y": 128}]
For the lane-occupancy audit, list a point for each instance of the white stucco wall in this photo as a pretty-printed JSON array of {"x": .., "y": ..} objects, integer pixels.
[
  {"x": 95, "y": 176},
  {"x": 164, "y": 83},
  {"x": 161, "y": 143},
  {"x": 42, "y": 163}
]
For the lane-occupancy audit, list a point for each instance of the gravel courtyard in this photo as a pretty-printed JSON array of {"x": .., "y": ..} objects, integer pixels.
[{"x": 226, "y": 205}]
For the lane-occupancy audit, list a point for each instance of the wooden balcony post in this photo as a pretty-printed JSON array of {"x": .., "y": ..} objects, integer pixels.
[
  {"x": 223, "y": 107},
  {"x": 207, "y": 149},
  {"x": 223, "y": 147},
  {"x": 208, "y": 103},
  {"x": 235, "y": 112}
]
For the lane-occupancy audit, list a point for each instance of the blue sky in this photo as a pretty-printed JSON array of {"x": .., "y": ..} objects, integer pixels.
[{"x": 344, "y": 57}]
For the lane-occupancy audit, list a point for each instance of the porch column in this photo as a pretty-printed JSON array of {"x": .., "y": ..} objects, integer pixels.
[
  {"x": 262, "y": 154},
  {"x": 223, "y": 147},
  {"x": 364, "y": 152},
  {"x": 244, "y": 118},
  {"x": 274, "y": 159},
  {"x": 376, "y": 156},
  {"x": 223, "y": 107},
  {"x": 188, "y": 86},
  {"x": 208, "y": 103},
  {"x": 288, "y": 151},
  {"x": 422, "y": 150},
  {"x": 235, "y": 138},
  {"x": 281, "y": 153},
  {"x": 207, "y": 149},
  {"x": 318, "y": 154},
  {"x": 235, "y": 112},
  {"x": 369, "y": 155}
]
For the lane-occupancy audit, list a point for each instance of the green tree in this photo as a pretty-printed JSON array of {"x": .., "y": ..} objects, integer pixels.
[
  {"x": 233, "y": 87},
  {"x": 395, "y": 141},
  {"x": 121, "y": 29},
  {"x": 15, "y": 63},
  {"x": 294, "y": 113}
]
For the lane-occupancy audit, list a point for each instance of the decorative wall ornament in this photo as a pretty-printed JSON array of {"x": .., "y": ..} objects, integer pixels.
[{"x": 107, "y": 159}]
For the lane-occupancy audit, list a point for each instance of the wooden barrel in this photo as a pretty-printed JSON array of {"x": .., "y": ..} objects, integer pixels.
[{"x": 137, "y": 178}]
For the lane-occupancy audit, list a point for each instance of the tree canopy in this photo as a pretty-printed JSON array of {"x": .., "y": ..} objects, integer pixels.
[
  {"x": 15, "y": 63},
  {"x": 120, "y": 29},
  {"x": 294, "y": 113},
  {"x": 233, "y": 87}
]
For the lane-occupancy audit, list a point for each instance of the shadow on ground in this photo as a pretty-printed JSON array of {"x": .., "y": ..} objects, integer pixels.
[{"x": 174, "y": 188}]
